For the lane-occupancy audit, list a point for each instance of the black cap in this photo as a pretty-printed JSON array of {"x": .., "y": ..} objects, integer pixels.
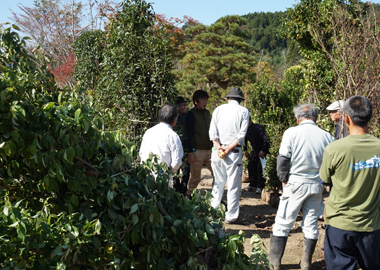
[
  {"x": 235, "y": 92},
  {"x": 180, "y": 100}
]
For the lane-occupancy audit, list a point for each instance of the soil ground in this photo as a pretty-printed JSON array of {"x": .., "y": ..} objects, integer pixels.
[{"x": 259, "y": 219}]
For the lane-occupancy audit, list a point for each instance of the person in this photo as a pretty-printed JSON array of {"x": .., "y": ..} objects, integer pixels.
[
  {"x": 336, "y": 113},
  {"x": 162, "y": 141},
  {"x": 259, "y": 141},
  {"x": 298, "y": 163},
  {"x": 228, "y": 128},
  {"x": 198, "y": 144},
  {"x": 352, "y": 220},
  {"x": 181, "y": 105},
  {"x": 178, "y": 184}
]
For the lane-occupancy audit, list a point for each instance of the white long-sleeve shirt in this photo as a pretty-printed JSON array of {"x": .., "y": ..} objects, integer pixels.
[
  {"x": 229, "y": 123},
  {"x": 162, "y": 141}
]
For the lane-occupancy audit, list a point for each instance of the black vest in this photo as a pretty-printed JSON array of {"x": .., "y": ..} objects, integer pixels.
[{"x": 202, "y": 120}]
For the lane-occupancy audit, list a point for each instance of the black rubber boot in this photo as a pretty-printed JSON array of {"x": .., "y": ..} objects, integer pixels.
[
  {"x": 277, "y": 247},
  {"x": 308, "y": 250}
]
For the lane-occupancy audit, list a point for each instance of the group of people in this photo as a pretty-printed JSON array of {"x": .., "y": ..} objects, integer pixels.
[
  {"x": 215, "y": 142},
  {"x": 308, "y": 159}
]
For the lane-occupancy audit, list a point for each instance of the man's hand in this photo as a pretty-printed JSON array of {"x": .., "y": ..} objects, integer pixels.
[
  {"x": 190, "y": 158},
  {"x": 225, "y": 149},
  {"x": 222, "y": 153},
  {"x": 284, "y": 183},
  {"x": 247, "y": 154},
  {"x": 262, "y": 154}
]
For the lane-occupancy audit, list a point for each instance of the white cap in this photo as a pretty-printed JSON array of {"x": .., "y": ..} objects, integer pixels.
[{"x": 336, "y": 105}]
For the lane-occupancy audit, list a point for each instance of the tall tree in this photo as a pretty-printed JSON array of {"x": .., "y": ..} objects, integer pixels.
[
  {"x": 52, "y": 24},
  {"x": 136, "y": 71},
  {"x": 301, "y": 24},
  {"x": 173, "y": 30},
  {"x": 353, "y": 52},
  {"x": 216, "y": 57},
  {"x": 88, "y": 49}
]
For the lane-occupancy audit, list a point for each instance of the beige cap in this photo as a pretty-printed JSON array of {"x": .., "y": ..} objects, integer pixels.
[{"x": 336, "y": 105}]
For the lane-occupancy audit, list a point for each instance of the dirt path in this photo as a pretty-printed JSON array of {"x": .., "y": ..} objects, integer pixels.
[{"x": 259, "y": 217}]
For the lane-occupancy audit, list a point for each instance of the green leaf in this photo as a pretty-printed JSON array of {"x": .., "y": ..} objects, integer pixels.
[
  {"x": 18, "y": 112},
  {"x": 15, "y": 27},
  {"x": 86, "y": 125},
  {"x": 135, "y": 219},
  {"x": 110, "y": 195},
  {"x": 135, "y": 237},
  {"x": 197, "y": 223},
  {"x": 56, "y": 252},
  {"x": 133, "y": 150},
  {"x": 96, "y": 242},
  {"x": 6, "y": 210},
  {"x": 77, "y": 115},
  {"x": 134, "y": 208},
  {"x": 112, "y": 214},
  {"x": 78, "y": 151},
  {"x": 232, "y": 245},
  {"x": 74, "y": 200},
  {"x": 98, "y": 226},
  {"x": 48, "y": 106},
  {"x": 21, "y": 231},
  {"x": 210, "y": 229},
  {"x": 177, "y": 222},
  {"x": 69, "y": 154}
]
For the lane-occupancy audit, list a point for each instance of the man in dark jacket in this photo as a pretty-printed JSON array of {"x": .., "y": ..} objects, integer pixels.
[
  {"x": 198, "y": 143},
  {"x": 178, "y": 184},
  {"x": 259, "y": 141}
]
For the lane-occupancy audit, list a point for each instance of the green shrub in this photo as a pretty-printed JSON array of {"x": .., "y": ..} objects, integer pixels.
[{"x": 271, "y": 104}]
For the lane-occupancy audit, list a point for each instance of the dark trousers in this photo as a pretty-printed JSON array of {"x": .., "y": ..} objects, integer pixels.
[
  {"x": 181, "y": 185},
  {"x": 344, "y": 248},
  {"x": 255, "y": 173}
]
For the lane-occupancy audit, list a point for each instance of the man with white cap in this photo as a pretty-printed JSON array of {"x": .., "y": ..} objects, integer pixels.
[
  {"x": 228, "y": 128},
  {"x": 336, "y": 113}
]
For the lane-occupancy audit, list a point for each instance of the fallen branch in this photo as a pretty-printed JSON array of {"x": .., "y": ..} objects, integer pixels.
[
  {"x": 161, "y": 209},
  {"x": 125, "y": 171},
  {"x": 90, "y": 166}
]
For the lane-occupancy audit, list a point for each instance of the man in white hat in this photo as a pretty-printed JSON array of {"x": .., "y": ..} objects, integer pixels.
[
  {"x": 228, "y": 128},
  {"x": 336, "y": 113}
]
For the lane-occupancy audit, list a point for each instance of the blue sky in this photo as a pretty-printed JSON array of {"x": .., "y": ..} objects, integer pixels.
[
  {"x": 208, "y": 11},
  {"x": 205, "y": 11}
]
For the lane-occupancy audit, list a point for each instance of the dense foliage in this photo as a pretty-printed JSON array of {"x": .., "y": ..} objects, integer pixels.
[
  {"x": 88, "y": 49},
  {"x": 263, "y": 34},
  {"x": 271, "y": 104},
  {"x": 134, "y": 75},
  {"x": 217, "y": 57},
  {"x": 300, "y": 23}
]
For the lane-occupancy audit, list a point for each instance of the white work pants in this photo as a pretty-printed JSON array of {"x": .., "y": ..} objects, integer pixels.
[
  {"x": 230, "y": 170},
  {"x": 305, "y": 196}
]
